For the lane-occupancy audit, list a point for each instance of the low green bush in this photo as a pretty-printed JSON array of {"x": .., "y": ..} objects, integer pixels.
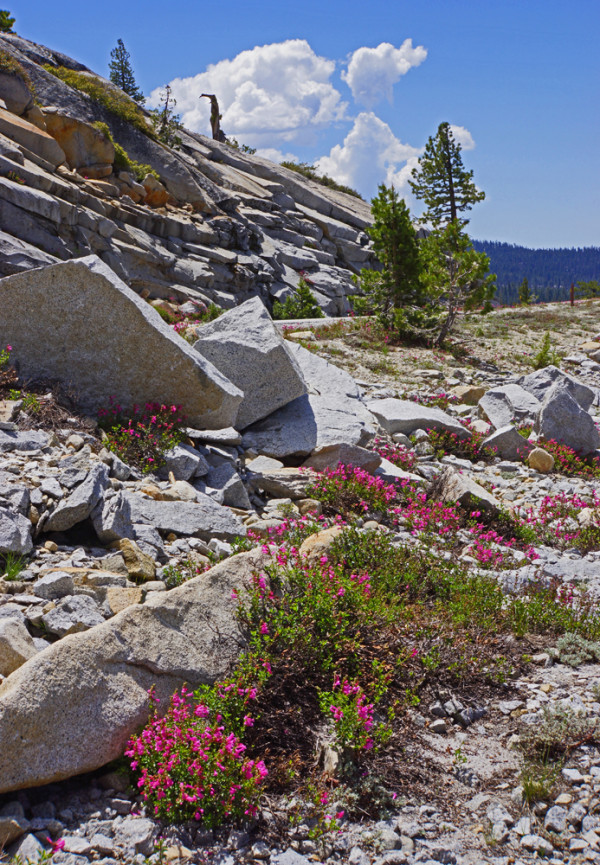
[
  {"x": 5, "y": 356},
  {"x": 10, "y": 66},
  {"x": 546, "y": 745},
  {"x": 111, "y": 97},
  {"x": 123, "y": 162},
  {"x": 301, "y": 304},
  {"x": 142, "y": 437},
  {"x": 310, "y": 172},
  {"x": 547, "y": 355}
]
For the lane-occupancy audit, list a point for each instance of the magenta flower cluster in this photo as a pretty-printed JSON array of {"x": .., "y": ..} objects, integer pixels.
[
  {"x": 397, "y": 454},
  {"x": 141, "y": 437},
  {"x": 353, "y": 716},
  {"x": 350, "y": 487},
  {"x": 555, "y": 518},
  {"x": 5, "y": 356},
  {"x": 191, "y": 768}
]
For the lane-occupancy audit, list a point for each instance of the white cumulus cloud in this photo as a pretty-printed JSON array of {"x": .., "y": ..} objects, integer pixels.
[
  {"x": 275, "y": 155},
  {"x": 372, "y": 72},
  {"x": 370, "y": 154},
  {"x": 463, "y": 137},
  {"x": 267, "y": 95}
]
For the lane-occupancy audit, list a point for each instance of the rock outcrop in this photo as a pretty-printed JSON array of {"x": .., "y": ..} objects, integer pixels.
[
  {"x": 562, "y": 419},
  {"x": 508, "y": 404},
  {"x": 404, "y": 416},
  {"x": 331, "y": 413},
  {"x": 217, "y": 226}
]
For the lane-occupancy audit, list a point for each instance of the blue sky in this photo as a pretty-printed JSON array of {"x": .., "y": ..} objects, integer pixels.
[{"x": 338, "y": 84}]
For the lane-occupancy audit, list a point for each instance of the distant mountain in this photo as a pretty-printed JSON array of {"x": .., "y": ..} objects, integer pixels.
[{"x": 549, "y": 272}]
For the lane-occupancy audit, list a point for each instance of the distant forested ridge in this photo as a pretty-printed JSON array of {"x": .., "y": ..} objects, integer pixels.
[{"x": 549, "y": 272}]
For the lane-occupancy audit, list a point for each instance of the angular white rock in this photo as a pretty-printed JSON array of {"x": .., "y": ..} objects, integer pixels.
[
  {"x": 77, "y": 322},
  {"x": 405, "y": 416},
  {"x": 332, "y": 413},
  {"x": 245, "y": 346}
]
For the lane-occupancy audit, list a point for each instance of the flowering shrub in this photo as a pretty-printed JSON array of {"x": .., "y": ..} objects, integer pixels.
[
  {"x": 419, "y": 514},
  {"x": 180, "y": 321},
  {"x": 397, "y": 454},
  {"x": 286, "y": 537},
  {"x": 567, "y": 462},
  {"x": 318, "y": 601},
  {"x": 446, "y": 442},
  {"x": 350, "y": 488},
  {"x": 352, "y": 716},
  {"x": 351, "y": 638},
  {"x": 192, "y": 768},
  {"x": 439, "y": 400},
  {"x": 555, "y": 520},
  {"x": 142, "y": 438}
]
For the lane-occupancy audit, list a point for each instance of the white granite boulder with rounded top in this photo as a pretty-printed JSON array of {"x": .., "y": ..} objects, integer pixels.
[{"x": 72, "y": 707}]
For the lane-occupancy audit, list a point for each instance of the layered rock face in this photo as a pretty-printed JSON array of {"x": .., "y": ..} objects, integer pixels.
[{"x": 213, "y": 225}]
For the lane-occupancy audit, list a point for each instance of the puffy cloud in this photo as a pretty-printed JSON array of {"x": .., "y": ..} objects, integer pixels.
[
  {"x": 370, "y": 154},
  {"x": 463, "y": 137},
  {"x": 267, "y": 95},
  {"x": 275, "y": 155},
  {"x": 372, "y": 72}
]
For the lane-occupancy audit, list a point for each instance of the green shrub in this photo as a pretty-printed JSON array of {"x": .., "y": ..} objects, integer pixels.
[
  {"x": 5, "y": 356},
  {"x": 10, "y": 66},
  {"x": 243, "y": 148},
  {"x": 177, "y": 575},
  {"x": 123, "y": 162},
  {"x": 301, "y": 304},
  {"x": 111, "y": 97},
  {"x": 310, "y": 172},
  {"x": 353, "y": 717},
  {"x": 556, "y": 733},
  {"x": 546, "y": 355},
  {"x": 574, "y": 650}
]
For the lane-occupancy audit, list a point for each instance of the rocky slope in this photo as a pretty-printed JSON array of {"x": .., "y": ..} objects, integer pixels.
[
  {"x": 91, "y": 622},
  {"x": 91, "y": 547},
  {"x": 219, "y": 226}
]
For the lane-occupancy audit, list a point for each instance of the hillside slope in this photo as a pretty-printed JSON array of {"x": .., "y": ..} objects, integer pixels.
[{"x": 230, "y": 225}]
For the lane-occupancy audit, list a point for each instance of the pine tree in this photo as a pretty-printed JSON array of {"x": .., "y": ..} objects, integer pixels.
[
  {"x": 442, "y": 182},
  {"x": 454, "y": 271},
  {"x": 121, "y": 73},
  {"x": 456, "y": 274},
  {"x": 6, "y": 22},
  {"x": 526, "y": 295},
  {"x": 394, "y": 293},
  {"x": 591, "y": 288},
  {"x": 301, "y": 304}
]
